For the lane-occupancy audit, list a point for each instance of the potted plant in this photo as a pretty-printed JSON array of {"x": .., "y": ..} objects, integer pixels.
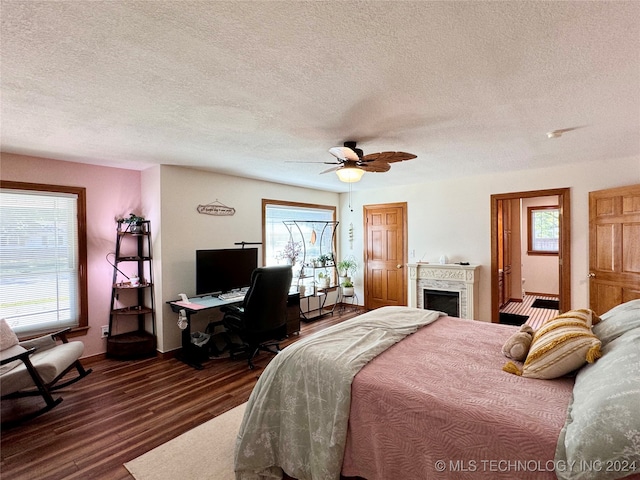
[
  {"x": 329, "y": 259},
  {"x": 323, "y": 259},
  {"x": 135, "y": 223},
  {"x": 347, "y": 288},
  {"x": 346, "y": 267},
  {"x": 290, "y": 253},
  {"x": 323, "y": 280}
]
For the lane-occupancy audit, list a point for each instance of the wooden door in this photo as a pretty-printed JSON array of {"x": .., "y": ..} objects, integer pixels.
[
  {"x": 500, "y": 253},
  {"x": 614, "y": 247},
  {"x": 385, "y": 257},
  {"x": 506, "y": 251}
]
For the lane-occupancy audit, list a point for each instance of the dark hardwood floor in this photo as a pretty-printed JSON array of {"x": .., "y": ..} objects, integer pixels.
[{"x": 124, "y": 409}]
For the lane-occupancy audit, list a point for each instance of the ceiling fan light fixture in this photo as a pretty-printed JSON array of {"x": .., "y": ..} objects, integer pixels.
[{"x": 349, "y": 174}]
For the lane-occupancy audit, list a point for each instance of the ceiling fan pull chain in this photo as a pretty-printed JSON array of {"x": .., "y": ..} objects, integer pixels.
[{"x": 350, "y": 207}]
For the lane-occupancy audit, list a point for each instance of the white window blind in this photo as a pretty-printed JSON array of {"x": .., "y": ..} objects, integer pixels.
[
  {"x": 39, "y": 260},
  {"x": 545, "y": 234}
]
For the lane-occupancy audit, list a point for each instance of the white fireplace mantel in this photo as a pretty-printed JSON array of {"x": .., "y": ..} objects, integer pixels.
[{"x": 463, "y": 279}]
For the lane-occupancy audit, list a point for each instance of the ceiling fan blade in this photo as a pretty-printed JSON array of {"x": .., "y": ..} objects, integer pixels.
[
  {"x": 331, "y": 170},
  {"x": 374, "y": 166},
  {"x": 301, "y": 161},
  {"x": 561, "y": 131},
  {"x": 344, "y": 153},
  {"x": 389, "y": 157}
]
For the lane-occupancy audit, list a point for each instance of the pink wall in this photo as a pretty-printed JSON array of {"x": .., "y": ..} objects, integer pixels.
[{"x": 111, "y": 193}]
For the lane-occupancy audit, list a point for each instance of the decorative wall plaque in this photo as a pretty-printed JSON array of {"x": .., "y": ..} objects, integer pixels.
[{"x": 216, "y": 208}]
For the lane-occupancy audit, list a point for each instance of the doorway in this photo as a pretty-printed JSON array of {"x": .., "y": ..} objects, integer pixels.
[
  {"x": 385, "y": 273},
  {"x": 502, "y": 267}
]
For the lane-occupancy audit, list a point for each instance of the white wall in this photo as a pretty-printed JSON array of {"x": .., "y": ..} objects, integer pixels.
[
  {"x": 453, "y": 217},
  {"x": 184, "y": 230},
  {"x": 151, "y": 206},
  {"x": 539, "y": 271}
]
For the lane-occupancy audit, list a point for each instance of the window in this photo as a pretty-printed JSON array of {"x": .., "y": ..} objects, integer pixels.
[
  {"x": 43, "y": 257},
  {"x": 544, "y": 230},
  {"x": 279, "y": 244}
]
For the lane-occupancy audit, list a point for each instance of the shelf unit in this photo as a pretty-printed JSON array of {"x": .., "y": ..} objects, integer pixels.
[
  {"x": 132, "y": 322},
  {"x": 317, "y": 238}
]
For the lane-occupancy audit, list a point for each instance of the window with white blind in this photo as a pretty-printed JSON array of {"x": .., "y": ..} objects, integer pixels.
[
  {"x": 544, "y": 230},
  {"x": 43, "y": 260},
  {"x": 276, "y": 236}
]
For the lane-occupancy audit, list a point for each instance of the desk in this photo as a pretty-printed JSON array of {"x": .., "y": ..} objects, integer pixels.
[{"x": 191, "y": 354}]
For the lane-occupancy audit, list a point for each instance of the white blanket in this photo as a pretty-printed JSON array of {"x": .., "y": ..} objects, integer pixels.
[{"x": 296, "y": 418}]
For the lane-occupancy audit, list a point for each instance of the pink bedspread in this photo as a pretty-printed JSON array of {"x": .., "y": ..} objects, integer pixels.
[{"x": 437, "y": 405}]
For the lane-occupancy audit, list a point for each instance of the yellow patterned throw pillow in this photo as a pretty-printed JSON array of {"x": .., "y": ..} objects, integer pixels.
[{"x": 560, "y": 346}]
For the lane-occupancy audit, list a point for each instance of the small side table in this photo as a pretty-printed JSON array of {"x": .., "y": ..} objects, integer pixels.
[{"x": 352, "y": 301}]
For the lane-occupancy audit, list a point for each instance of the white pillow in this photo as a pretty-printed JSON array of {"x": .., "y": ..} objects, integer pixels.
[
  {"x": 618, "y": 321},
  {"x": 7, "y": 337}
]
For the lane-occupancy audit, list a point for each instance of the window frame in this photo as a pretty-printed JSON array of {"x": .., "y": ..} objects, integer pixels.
[
  {"x": 284, "y": 203},
  {"x": 531, "y": 211},
  {"x": 81, "y": 212}
]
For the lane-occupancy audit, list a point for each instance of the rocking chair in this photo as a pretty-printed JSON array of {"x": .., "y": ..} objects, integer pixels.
[{"x": 34, "y": 367}]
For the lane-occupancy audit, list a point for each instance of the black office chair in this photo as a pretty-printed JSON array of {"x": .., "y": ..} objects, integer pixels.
[{"x": 261, "y": 320}]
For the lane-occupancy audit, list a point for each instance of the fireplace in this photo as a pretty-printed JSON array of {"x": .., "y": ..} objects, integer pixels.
[
  {"x": 457, "y": 282},
  {"x": 442, "y": 301}
]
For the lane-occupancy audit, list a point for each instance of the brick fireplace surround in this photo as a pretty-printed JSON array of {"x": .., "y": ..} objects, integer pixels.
[{"x": 462, "y": 279}]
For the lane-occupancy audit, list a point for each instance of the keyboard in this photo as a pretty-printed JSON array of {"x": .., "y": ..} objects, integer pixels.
[{"x": 233, "y": 296}]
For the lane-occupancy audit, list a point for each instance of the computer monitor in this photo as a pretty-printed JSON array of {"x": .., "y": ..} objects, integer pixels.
[{"x": 223, "y": 270}]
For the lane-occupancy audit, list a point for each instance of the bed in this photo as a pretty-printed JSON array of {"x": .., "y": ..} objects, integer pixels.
[{"x": 404, "y": 393}]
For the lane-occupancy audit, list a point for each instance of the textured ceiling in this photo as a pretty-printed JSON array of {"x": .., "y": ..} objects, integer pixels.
[{"x": 246, "y": 88}]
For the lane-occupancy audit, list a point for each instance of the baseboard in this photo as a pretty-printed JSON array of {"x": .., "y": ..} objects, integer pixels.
[
  {"x": 102, "y": 356},
  {"x": 93, "y": 358},
  {"x": 170, "y": 354},
  {"x": 539, "y": 294}
]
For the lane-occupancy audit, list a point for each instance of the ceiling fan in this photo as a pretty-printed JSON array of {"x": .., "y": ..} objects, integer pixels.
[{"x": 352, "y": 163}]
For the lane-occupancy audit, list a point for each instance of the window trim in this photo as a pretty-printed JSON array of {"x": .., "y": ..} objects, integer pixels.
[
  {"x": 530, "y": 231},
  {"x": 81, "y": 192},
  {"x": 267, "y": 201}
]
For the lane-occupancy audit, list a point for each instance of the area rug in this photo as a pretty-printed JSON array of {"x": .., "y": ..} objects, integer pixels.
[
  {"x": 542, "y": 303},
  {"x": 203, "y": 453},
  {"x": 512, "y": 319}
]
